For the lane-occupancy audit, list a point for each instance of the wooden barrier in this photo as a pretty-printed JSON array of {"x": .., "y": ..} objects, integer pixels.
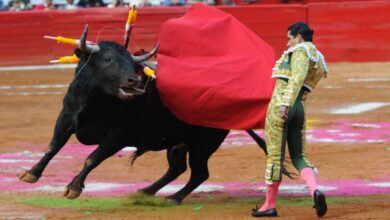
[
  {"x": 343, "y": 31},
  {"x": 358, "y": 31}
]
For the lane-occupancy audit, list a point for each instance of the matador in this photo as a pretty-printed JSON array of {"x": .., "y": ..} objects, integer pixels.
[{"x": 298, "y": 71}]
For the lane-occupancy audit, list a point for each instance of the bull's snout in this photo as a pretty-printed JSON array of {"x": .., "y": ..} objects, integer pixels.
[
  {"x": 129, "y": 89},
  {"x": 134, "y": 79}
]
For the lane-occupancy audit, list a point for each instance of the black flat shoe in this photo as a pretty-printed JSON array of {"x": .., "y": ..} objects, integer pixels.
[
  {"x": 266, "y": 213},
  {"x": 320, "y": 203}
]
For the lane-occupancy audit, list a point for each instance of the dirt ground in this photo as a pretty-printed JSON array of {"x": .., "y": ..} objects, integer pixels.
[{"x": 28, "y": 114}]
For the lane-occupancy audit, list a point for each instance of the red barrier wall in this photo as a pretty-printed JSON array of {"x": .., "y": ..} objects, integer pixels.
[
  {"x": 22, "y": 42},
  {"x": 352, "y": 31},
  {"x": 265, "y": 2},
  {"x": 356, "y": 31}
]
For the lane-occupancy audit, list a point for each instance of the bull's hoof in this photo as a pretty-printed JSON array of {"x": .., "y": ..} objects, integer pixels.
[
  {"x": 27, "y": 177},
  {"x": 145, "y": 192},
  {"x": 71, "y": 194},
  {"x": 173, "y": 201}
]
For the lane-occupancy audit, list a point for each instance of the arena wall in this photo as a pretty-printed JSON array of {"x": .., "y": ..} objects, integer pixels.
[
  {"x": 357, "y": 31},
  {"x": 352, "y": 31}
]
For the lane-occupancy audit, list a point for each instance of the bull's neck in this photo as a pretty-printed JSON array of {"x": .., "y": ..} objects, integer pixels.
[{"x": 80, "y": 88}]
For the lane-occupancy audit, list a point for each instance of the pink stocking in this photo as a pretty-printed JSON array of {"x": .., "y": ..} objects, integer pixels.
[
  {"x": 307, "y": 174},
  {"x": 270, "y": 196}
]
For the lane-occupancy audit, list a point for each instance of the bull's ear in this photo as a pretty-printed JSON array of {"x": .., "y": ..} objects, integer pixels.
[{"x": 79, "y": 53}]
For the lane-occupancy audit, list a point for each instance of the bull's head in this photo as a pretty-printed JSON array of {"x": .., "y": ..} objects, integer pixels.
[{"x": 111, "y": 67}]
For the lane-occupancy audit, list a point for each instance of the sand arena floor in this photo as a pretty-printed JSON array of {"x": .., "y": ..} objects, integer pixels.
[{"x": 348, "y": 140}]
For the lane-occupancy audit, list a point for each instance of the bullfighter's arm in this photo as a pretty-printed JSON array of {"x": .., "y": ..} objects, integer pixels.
[{"x": 299, "y": 67}]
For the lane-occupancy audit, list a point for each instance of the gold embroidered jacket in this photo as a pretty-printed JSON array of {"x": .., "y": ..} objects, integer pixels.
[{"x": 303, "y": 66}]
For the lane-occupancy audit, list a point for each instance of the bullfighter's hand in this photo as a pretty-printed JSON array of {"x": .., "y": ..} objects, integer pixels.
[{"x": 283, "y": 110}]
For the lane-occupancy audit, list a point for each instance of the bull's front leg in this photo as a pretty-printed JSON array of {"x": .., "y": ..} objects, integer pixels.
[
  {"x": 199, "y": 173},
  {"x": 177, "y": 158},
  {"x": 200, "y": 150},
  {"x": 62, "y": 132},
  {"x": 102, "y": 152}
]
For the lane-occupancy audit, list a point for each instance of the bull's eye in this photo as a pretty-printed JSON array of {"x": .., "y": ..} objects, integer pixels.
[{"x": 107, "y": 59}]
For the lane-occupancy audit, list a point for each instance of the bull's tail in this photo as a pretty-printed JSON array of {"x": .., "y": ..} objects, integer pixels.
[
  {"x": 263, "y": 146},
  {"x": 135, "y": 155},
  {"x": 289, "y": 174},
  {"x": 258, "y": 140},
  {"x": 285, "y": 171}
]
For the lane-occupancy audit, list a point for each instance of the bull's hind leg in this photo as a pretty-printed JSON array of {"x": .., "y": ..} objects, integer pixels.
[
  {"x": 177, "y": 158},
  {"x": 75, "y": 187},
  {"x": 62, "y": 132},
  {"x": 199, "y": 154}
]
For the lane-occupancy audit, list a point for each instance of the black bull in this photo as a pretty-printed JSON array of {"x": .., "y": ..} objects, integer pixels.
[{"x": 103, "y": 106}]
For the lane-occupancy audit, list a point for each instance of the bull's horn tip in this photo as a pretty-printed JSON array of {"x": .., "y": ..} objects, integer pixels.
[{"x": 49, "y": 37}]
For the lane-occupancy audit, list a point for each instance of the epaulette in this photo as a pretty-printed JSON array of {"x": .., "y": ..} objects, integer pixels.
[{"x": 311, "y": 57}]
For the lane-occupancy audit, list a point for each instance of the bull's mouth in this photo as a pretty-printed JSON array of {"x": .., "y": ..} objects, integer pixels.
[{"x": 128, "y": 91}]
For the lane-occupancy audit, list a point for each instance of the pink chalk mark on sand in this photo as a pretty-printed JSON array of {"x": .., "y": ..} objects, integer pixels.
[
  {"x": 234, "y": 189},
  {"x": 339, "y": 132}
]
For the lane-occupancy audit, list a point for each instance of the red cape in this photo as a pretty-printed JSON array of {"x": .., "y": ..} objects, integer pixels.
[{"x": 213, "y": 71}]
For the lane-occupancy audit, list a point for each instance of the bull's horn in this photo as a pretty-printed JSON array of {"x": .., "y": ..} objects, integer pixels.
[
  {"x": 142, "y": 58},
  {"x": 83, "y": 43}
]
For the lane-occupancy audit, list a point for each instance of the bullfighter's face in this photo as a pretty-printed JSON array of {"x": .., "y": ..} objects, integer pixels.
[{"x": 293, "y": 41}]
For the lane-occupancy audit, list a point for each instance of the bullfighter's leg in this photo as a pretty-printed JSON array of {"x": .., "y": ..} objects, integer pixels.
[
  {"x": 62, "y": 132},
  {"x": 199, "y": 155},
  {"x": 177, "y": 158},
  {"x": 75, "y": 187}
]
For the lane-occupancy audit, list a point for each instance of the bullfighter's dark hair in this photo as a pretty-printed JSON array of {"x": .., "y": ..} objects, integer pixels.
[{"x": 303, "y": 29}]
